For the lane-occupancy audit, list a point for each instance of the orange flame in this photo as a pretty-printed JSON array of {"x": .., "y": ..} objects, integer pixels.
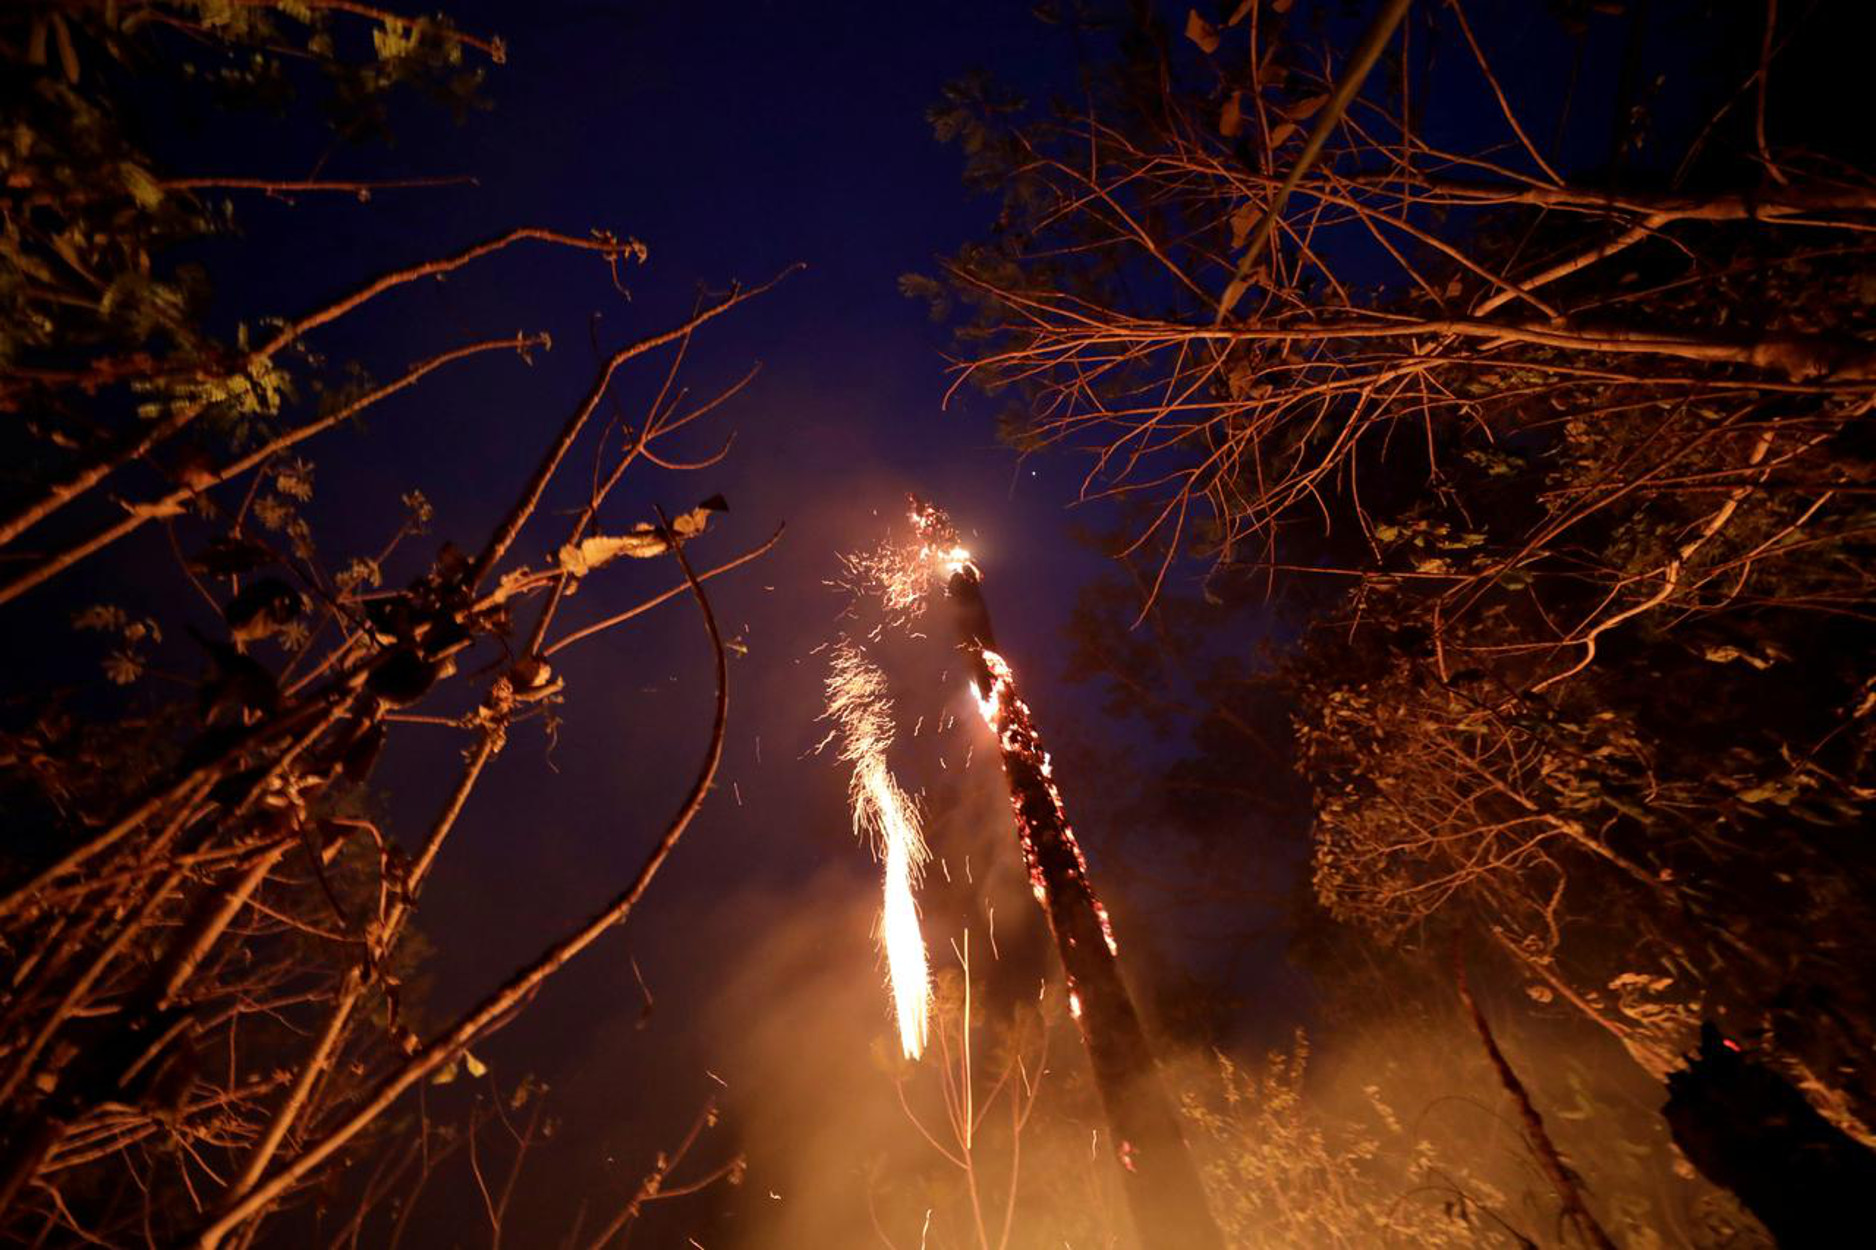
[
  {"x": 1010, "y": 720},
  {"x": 886, "y": 818}
]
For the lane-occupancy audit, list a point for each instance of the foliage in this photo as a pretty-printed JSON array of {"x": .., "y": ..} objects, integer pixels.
[
  {"x": 1555, "y": 461},
  {"x": 1284, "y": 1174},
  {"x": 213, "y": 1006},
  {"x": 92, "y": 304}
]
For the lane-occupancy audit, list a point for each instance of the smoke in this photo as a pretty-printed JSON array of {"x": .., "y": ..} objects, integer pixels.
[
  {"x": 1391, "y": 1133},
  {"x": 810, "y": 1046},
  {"x": 1388, "y": 1127},
  {"x": 1391, "y": 1130}
]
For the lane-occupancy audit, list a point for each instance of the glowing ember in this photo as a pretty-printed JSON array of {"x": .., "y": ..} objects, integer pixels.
[
  {"x": 884, "y": 816},
  {"x": 900, "y": 576},
  {"x": 1010, "y": 720},
  {"x": 894, "y": 574}
]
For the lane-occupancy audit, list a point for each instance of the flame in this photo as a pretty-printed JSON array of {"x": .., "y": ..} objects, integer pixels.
[
  {"x": 885, "y": 817},
  {"x": 939, "y": 548},
  {"x": 1010, "y": 720},
  {"x": 899, "y": 576}
]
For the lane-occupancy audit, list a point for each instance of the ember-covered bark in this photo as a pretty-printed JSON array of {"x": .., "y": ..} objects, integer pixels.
[{"x": 1162, "y": 1186}]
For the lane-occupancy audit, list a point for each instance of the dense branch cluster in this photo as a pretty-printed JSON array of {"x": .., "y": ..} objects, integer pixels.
[{"x": 1583, "y": 448}]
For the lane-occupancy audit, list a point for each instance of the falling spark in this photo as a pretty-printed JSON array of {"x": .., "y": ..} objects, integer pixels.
[
  {"x": 903, "y": 577},
  {"x": 644, "y": 1014},
  {"x": 884, "y": 816},
  {"x": 1168, "y": 1200}
]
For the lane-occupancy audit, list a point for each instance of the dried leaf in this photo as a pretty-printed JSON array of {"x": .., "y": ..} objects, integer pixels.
[
  {"x": 123, "y": 667},
  {"x": 239, "y": 683},
  {"x": 1201, "y": 32},
  {"x": 226, "y": 557},
  {"x": 144, "y": 189},
  {"x": 1282, "y": 134},
  {"x": 641, "y": 542},
  {"x": 101, "y": 616},
  {"x": 156, "y": 510},
  {"x": 1231, "y": 119},
  {"x": 294, "y": 479},
  {"x": 68, "y": 57},
  {"x": 262, "y": 608},
  {"x": 1245, "y": 220},
  {"x": 403, "y": 677},
  {"x": 1724, "y": 654},
  {"x": 581, "y": 558},
  {"x": 1306, "y": 108}
]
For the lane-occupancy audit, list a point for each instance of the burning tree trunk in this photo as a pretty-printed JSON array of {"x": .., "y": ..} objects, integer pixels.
[{"x": 1161, "y": 1183}]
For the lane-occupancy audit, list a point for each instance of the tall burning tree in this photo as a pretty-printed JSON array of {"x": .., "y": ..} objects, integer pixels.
[{"x": 1159, "y": 1179}]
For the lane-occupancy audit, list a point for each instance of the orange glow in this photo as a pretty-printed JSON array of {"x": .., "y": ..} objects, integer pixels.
[
  {"x": 887, "y": 820},
  {"x": 900, "y": 575},
  {"x": 1004, "y": 713},
  {"x": 901, "y": 578}
]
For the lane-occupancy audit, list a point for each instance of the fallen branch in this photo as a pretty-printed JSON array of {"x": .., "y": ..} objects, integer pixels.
[{"x": 1558, "y": 1172}]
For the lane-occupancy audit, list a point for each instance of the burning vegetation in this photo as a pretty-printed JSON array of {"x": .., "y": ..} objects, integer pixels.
[{"x": 1160, "y": 1182}]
